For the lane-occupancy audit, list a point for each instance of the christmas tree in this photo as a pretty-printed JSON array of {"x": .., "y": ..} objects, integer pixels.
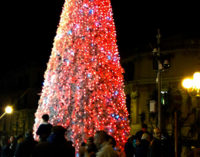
[{"x": 83, "y": 87}]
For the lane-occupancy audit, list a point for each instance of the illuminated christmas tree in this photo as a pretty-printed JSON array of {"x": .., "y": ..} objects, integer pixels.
[{"x": 83, "y": 88}]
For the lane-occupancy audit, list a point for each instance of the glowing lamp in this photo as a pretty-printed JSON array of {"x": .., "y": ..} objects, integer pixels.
[
  {"x": 193, "y": 84},
  {"x": 187, "y": 83},
  {"x": 9, "y": 109}
]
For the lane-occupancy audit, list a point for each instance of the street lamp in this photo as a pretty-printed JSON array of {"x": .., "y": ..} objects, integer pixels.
[
  {"x": 8, "y": 110},
  {"x": 193, "y": 84}
]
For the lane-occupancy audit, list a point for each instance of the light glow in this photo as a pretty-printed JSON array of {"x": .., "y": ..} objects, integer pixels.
[
  {"x": 196, "y": 80},
  {"x": 193, "y": 84},
  {"x": 187, "y": 83},
  {"x": 9, "y": 109}
]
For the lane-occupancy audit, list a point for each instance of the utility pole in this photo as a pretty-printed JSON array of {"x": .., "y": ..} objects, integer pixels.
[
  {"x": 158, "y": 79},
  {"x": 159, "y": 83}
]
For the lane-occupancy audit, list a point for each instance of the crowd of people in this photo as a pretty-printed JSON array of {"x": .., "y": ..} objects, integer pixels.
[
  {"x": 52, "y": 143},
  {"x": 146, "y": 144}
]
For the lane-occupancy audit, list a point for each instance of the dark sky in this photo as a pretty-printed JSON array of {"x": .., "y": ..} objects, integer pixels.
[{"x": 28, "y": 27}]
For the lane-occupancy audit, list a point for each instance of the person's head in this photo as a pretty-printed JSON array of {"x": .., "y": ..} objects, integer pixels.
[
  {"x": 90, "y": 146},
  {"x": 83, "y": 144},
  {"x": 45, "y": 117},
  {"x": 157, "y": 133},
  {"x": 59, "y": 130},
  {"x": 90, "y": 140},
  {"x": 144, "y": 127},
  {"x": 131, "y": 138},
  {"x": 12, "y": 139},
  {"x": 100, "y": 137},
  {"x": 82, "y": 149},
  {"x": 145, "y": 136},
  {"x": 29, "y": 134},
  {"x": 20, "y": 138}
]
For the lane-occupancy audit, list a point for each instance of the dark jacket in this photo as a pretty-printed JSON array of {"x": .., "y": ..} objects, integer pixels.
[
  {"x": 142, "y": 150},
  {"x": 44, "y": 131},
  {"x": 25, "y": 148},
  {"x": 156, "y": 148}
]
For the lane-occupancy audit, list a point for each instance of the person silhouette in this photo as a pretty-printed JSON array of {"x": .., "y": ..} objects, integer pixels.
[{"x": 44, "y": 129}]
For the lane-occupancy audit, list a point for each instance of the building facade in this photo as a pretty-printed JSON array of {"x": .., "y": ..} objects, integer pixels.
[{"x": 183, "y": 56}]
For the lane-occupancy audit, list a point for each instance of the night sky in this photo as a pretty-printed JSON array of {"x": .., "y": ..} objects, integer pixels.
[{"x": 28, "y": 27}]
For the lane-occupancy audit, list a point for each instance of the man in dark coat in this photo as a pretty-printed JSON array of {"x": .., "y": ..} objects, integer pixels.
[
  {"x": 55, "y": 146},
  {"x": 142, "y": 149},
  {"x": 156, "y": 149},
  {"x": 60, "y": 146},
  {"x": 129, "y": 147}
]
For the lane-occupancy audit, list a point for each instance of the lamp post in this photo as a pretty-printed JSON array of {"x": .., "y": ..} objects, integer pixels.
[
  {"x": 161, "y": 62},
  {"x": 8, "y": 110},
  {"x": 192, "y": 84}
]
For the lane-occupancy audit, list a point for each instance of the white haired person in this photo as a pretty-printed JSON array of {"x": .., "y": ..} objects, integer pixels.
[{"x": 104, "y": 147}]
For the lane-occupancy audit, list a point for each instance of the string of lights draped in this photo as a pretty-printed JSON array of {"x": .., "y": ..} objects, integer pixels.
[{"x": 83, "y": 86}]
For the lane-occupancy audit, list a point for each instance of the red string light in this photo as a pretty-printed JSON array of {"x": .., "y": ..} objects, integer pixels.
[{"x": 83, "y": 88}]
